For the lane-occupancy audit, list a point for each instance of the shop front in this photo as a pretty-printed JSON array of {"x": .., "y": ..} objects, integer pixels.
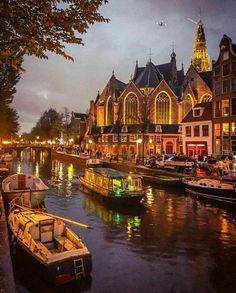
[{"x": 196, "y": 148}]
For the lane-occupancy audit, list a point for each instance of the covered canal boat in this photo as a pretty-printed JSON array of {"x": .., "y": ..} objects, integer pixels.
[
  {"x": 114, "y": 186},
  {"x": 55, "y": 249}
]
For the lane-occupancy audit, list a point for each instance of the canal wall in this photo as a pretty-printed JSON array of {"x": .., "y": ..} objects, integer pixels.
[{"x": 7, "y": 282}]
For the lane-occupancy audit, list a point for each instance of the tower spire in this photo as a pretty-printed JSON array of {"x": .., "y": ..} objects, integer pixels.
[{"x": 200, "y": 58}]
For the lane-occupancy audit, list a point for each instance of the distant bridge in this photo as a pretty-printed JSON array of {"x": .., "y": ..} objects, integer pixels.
[{"x": 20, "y": 148}]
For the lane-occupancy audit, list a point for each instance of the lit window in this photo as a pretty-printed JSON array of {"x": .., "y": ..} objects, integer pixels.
[
  {"x": 217, "y": 146},
  {"x": 131, "y": 106},
  {"x": 225, "y": 129},
  {"x": 217, "y": 129},
  {"x": 110, "y": 111},
  {"x": 162, "y": 109},
  {"x": 225, "y": 107},
  {"x": 233, "y": 128}
]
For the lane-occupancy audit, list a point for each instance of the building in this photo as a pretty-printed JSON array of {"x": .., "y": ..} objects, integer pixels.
[
  {"x": 224, "y": 100},
  {"x": 197, "y": 130},
  {"x": 78, "y": 127},
  {"x": 144, "y": 115}
]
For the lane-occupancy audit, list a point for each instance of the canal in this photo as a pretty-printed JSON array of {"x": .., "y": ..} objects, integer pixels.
[{"x": 173, "y": 243}]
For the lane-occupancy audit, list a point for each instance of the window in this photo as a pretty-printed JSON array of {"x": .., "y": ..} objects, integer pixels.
[
  {"x": 217, "y": 88},
  {"x": 158, "y": 128},
  {"x": 225, "y": 69},
  {"x": 226, "y": 146},
  {"x": 110, "y": 111},
  {"x": 163, "y": 109},
  {"x": 217, "y": 109},
  {"x": 225, "y": 108},
  {"x": 188, "y": 130},
  {"x": 225, "y": 129},
  {"x": 131, "y": 106},
  {"x": 226, "y": 55},
  {"x": 217, "y": 71},
  {"x": 196, "y": 112},
  {"x": 205, "y": 130},
  {"x": 233, "y": 107},
  {"x": 233, "y": 128},
  {"x": 196, "y": 130},
  {"x": 217, "y": 130},
  {"x": 206, "y": 98},
  {"x": 234, "y": 66},
  {"x": 217, "y": 146},
  {"x": 234, "y": 85},
  {"x": 100, "y": 116},
  {"x": 225, "y": 87}
]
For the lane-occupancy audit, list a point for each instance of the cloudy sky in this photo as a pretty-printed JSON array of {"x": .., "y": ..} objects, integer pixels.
[{"x": 129, "y": 36}]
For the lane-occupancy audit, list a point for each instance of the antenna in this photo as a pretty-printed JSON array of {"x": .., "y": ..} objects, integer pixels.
[{"x": 150, "y": 54}]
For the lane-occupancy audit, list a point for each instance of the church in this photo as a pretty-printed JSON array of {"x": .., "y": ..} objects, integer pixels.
[{"x": 143, "y": 116}]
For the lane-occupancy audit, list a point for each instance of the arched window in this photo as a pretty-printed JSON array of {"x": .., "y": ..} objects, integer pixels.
[
  {"x": 187, "y": 105},
  {"x": 110, "y": 111},
  {"x": 206, "y": 98},
  {"x": 131, "y": 109},
  {"x": 162, "y": 109}
]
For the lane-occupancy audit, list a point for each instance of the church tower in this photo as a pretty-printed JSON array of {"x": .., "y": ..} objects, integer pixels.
[{"x": 200, "y": 58}]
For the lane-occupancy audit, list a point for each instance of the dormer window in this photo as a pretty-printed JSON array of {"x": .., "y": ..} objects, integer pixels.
[
  {"x": 197, "y": 112},
  {"x": 158, "y": 128},
  {"x": 124, "y": 128}
]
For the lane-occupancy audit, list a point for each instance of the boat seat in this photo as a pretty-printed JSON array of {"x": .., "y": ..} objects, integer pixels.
[
  {"x": 64, "y": 243},
  {"x": 43, "y": 248}
]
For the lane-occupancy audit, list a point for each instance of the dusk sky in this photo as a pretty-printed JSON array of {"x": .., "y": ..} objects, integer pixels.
[{"x": 132, "y": 31}]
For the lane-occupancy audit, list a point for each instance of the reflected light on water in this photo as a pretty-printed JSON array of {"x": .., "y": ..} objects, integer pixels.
[
  {"x": 18, "y": 168},
  {"x": 37, "y": 169}
]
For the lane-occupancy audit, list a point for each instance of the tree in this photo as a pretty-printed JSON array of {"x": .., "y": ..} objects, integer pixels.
[
  {"x": 36, "y": 27},
  {"x": 9, "y": 117},
  {"x": 49, "y": 125}
]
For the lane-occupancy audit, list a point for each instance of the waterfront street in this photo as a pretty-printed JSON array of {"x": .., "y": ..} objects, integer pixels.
[{"x": 173, "y": 243}]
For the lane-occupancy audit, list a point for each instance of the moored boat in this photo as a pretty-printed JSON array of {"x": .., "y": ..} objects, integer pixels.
[
  {"x": 163, "y": 180},
  {"x": 211, "y": 188},
  {"x": 55, "y": 249},
  {"x": 114, "y": 186},
  {"x": 91, "y": 163},
  {"x": 17, "y": 185}
]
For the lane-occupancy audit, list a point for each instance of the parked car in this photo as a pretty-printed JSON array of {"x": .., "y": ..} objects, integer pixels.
[{"x": 179, "y": 163}]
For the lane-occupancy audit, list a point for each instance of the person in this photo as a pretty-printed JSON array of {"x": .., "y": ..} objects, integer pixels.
[
  {"x": 220, "y": 169},
  {"x": 194, "y": 168}
]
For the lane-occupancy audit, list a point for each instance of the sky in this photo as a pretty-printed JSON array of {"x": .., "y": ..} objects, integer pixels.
[{"x": 129, "y": 36}]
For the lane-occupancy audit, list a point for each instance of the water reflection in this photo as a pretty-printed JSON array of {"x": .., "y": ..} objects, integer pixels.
[{"x": 173, "y": 237}]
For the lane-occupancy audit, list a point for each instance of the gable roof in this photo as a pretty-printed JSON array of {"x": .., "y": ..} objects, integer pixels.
[
  {"x": 149, "y": 76},
  {"x": 206, "y": 115}
]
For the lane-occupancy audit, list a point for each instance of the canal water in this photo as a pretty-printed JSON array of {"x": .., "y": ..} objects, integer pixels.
[{"x": 173, "y": 243}]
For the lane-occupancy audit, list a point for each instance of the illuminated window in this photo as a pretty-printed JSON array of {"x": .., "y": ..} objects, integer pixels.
[
  {"x": 186, "y": 106},
  {"x": 188, "y": 130},
  {"x": 205, "y": 130},
  {"x": 225, "y": 107},
  {"x": 206, "y": 98},
  {"x": 196, "y": 130},
  {"x": 225, "y": 129},
  {"x": 100, "y": 116},
  {"x": 110, "y": 111},
  {"x": 233, "y": 128},
  {"x": 162, "y": 109},
  {"x": 217, "y": 109},
  {"x": 217, "y": 129},
  {"x": 217, "y": 146},
  {"x": 131, "y": 106}
]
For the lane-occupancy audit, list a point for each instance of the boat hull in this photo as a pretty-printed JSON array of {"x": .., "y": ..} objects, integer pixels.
[
  {"x": 223, "y": 195},
  {"x": 36, "y": 197},
  {"x": 59, "y": 272},
  {"x": 106, "y": 196}
]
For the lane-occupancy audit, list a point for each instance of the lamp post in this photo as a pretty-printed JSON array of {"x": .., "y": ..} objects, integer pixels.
[
  {"x": 90, "y": 145},
  {"x": 138, "y": 141}
]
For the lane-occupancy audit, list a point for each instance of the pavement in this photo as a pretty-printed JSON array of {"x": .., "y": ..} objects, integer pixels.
[{"x": 7, "y": 282}]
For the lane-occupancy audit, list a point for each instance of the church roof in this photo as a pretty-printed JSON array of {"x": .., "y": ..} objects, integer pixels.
[
  {"x": 165, "y": 70},
  {"x": 207, "y": 113},
  {"x": 207, "y": 77},
  {"x": 149, "y": 76}
]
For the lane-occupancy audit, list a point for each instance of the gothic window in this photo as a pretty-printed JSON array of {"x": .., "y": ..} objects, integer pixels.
[
  {"x": 110, "y": 111},
  {"x": 162, "y": 109},
  {"x": 206, "y": 98},
  {"x": 131, "y": 107},
  {"x": 186, "y": 106}
]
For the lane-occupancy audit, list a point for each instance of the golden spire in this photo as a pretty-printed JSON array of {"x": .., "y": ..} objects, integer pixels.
[{"x": 200, "y": 58}]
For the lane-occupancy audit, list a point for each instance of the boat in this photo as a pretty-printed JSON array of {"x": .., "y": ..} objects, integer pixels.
[
  {"x": 113, "y": 186},
  {"x": 59, "y": 254},
  {"x": 162, "y": 180},
  {"x": 211, "y": 188},
  {"x": 18, "y": 185},
  {"x": 94, "y": 163},
  {"x": 6, "y": 157}
]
